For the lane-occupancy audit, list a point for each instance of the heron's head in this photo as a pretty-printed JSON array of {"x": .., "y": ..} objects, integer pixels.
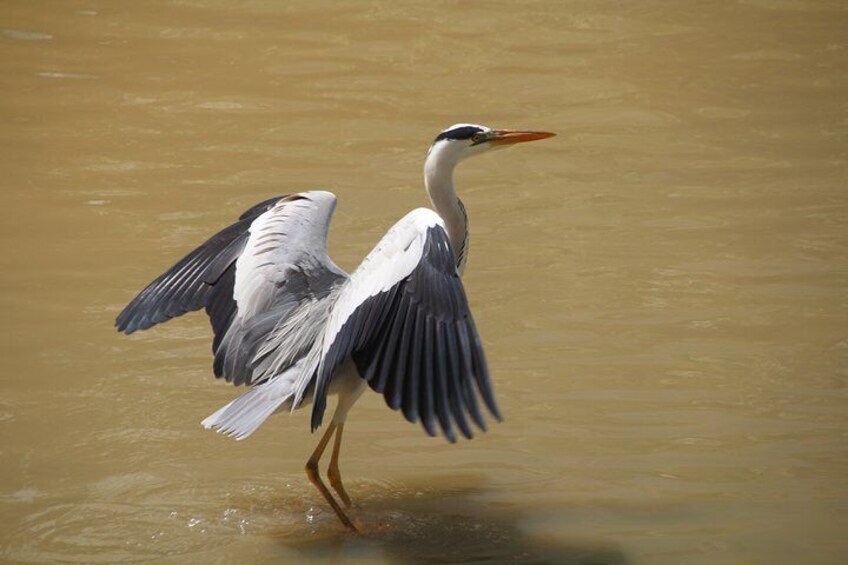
[{"x": 461, "y": 141}]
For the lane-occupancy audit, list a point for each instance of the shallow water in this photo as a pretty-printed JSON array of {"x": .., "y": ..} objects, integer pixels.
[{"x": 661, "y": 288}]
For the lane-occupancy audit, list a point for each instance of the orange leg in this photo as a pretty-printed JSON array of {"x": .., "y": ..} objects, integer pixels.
[
  {"x": 333, "y": 470},
  {"x": 315, "y": 478}
]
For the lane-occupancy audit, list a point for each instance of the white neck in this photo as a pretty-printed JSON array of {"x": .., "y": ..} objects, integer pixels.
[{"x": 438, "y": 178}]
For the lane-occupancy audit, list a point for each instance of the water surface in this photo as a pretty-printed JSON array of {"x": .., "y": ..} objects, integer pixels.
[{"x": 661, "y": 289}]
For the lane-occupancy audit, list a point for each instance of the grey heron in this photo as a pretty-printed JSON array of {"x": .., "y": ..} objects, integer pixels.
[{"x": 295, "y": 328}]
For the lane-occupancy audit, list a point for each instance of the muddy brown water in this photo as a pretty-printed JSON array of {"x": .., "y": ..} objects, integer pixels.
[{"x": 661, "y": 288}]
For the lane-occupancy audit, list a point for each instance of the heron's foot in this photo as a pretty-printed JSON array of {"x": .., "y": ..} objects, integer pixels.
[
  {"x": 336, "y": 482},
  {"x": 315, "y": 479}
]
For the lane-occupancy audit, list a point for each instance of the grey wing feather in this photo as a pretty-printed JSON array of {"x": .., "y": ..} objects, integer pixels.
[{"x": 188, "y": 285}]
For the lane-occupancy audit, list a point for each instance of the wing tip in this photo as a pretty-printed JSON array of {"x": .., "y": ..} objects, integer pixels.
[
  {"x": 127, "y": 326},
  {"x": 494, "y": 410},
  {"x": 466, "y": 432},
  {"x": 428, "y": 426}
]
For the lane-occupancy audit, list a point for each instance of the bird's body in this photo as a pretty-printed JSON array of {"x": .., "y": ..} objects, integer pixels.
[{"x": 296, "y": 328}]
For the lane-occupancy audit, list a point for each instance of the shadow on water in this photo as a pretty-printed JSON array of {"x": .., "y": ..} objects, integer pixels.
[{"x": 443, "y": 523}]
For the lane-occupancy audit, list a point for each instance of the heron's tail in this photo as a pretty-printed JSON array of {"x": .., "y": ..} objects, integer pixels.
[{"x": 245, "y": 414}]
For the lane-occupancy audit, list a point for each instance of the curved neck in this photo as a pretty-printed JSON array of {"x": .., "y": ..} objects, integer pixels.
[{"x": 438, "y": 178}]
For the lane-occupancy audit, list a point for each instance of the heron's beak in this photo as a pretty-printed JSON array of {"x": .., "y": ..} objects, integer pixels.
[{"x": 509, "y": 137}]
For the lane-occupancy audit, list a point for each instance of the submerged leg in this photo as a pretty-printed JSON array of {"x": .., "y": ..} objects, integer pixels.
[
  {"x": 315, "y": 478},
  {"x": 333, "y": 470}
]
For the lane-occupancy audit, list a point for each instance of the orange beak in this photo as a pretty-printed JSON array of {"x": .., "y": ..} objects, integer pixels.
[{"x": 508, "y": 136}]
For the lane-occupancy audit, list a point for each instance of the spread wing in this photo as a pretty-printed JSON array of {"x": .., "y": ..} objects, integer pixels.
[
  {"x": 187, "y": 286},
  {"x": 404, "y": 318},
  {"x": 250, "y": 277}
]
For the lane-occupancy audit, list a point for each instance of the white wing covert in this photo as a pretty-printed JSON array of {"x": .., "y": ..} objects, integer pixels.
[{"x": 404, "y": 318}]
